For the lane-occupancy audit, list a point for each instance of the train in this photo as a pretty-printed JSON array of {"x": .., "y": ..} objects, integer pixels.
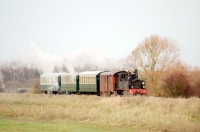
[{"x": 102, "y": 83}]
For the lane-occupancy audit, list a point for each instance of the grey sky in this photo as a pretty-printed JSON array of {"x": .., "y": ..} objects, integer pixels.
[{"x": 60, "y": 26}]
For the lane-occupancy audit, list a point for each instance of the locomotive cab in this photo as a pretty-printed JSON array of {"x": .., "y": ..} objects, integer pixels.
[{"x": 136, "y": 86}]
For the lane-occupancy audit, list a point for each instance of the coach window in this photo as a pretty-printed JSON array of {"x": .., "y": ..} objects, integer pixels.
[
  {"x": 70, "y": 79},
  {"x": 63, "y": 78}
]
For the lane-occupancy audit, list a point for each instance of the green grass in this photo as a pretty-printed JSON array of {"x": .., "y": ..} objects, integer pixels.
[{"x": 35, "y": 126}]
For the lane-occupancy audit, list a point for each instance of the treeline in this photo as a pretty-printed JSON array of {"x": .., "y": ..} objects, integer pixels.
[
  {"x": 16, "y": 74},
  {"x": 18, "y": 71}
]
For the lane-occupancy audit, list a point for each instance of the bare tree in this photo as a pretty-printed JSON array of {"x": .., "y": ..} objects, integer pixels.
[{"x": 153, "y": 55}]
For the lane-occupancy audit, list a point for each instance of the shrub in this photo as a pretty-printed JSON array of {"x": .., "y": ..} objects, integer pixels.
[
  {"x": 177, "y": 84},
  {"x": 36, "y": 88}
]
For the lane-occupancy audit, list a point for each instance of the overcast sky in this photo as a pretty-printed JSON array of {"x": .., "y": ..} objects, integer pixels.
[{"x": 61, "y": 27}]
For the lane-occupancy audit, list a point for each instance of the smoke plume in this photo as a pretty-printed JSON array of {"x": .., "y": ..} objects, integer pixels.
[{"x": 95, "y": 58}]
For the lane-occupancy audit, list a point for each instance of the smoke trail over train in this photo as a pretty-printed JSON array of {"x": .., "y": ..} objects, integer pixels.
[{"x": 95, "y": 58}]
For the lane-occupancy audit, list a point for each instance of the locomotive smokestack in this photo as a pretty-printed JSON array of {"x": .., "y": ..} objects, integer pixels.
[{"x": 136, "y": 73}]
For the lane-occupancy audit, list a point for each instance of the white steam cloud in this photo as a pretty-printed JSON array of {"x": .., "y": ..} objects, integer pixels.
[
  {"x": 96, "y": 58},
  {"x": 42, "y": 60}
]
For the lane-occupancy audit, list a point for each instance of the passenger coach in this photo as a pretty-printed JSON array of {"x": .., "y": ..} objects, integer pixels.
[
  {"x": 58, "y": 83},
  {"x": 89, "y": 82}
]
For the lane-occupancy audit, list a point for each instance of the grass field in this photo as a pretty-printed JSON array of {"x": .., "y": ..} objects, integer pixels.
[
  {"x": 92, "y": 113},
  {"x": 36, "y": 126}
]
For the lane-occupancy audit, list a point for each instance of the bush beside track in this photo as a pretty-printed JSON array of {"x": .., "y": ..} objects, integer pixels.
[{"x": 146, "y": 113}]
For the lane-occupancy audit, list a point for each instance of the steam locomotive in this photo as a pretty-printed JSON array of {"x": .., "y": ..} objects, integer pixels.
[{"x": 103, "y": 83}]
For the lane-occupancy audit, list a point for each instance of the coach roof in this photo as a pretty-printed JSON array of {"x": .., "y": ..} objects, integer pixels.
[
  {"x": 56, "y": 74},
  {"x": 111, "y": 73},
  {"x": 90, "y": 73}
]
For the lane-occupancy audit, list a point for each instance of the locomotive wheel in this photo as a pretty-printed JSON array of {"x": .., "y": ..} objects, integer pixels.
[
  {"x": 109, "y": 94},
  {"x": 125, "y": 93},
  {"x": 115, "y": 93}
]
